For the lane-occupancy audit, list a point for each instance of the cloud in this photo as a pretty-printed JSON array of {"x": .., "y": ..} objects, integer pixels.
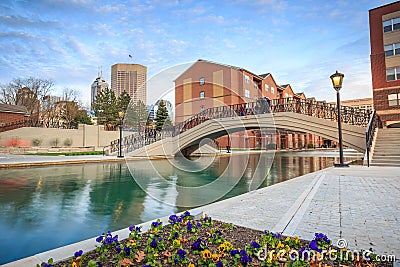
[
  {"x": 111, "y": 8},
  {"x": 16, "y": 21},
  {"x": 78, "y": 47},
  {"x": 210, "y": 19},
  {"x": 266, "y": 5}
]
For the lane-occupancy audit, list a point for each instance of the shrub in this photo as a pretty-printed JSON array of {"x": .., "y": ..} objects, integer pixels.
[
  {"x": 310, "y": 146},
  {"x": 55, "y": 142},
  {"x": 68, "y": 142},
  {"x": 37, "y": 141}
]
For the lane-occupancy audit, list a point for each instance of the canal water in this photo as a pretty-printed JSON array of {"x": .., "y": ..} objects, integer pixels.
[{"x": 47, "y": 207}]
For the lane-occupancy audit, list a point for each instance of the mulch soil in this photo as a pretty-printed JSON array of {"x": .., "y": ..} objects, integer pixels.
[{"x": 238, "y": 236}]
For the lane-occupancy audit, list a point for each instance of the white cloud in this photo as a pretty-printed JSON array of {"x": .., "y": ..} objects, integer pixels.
[{"x": 111, "y": 8}]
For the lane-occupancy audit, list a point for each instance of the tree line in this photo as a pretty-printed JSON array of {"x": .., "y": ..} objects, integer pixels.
[
  {"x": 66, "y": 110},
  {"x": 45, "y": 109}
]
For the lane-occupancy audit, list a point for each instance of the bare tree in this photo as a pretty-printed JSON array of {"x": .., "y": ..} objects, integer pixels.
[{"x": 29, "y": 92}]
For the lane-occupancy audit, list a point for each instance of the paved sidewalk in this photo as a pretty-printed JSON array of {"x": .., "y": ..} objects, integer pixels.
[
  {"x": 9, "y": 160},
  {"x": 358, "y": 204}
]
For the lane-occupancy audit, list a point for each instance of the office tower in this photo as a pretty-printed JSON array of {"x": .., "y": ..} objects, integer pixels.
[{"x": 130, "y": 78}]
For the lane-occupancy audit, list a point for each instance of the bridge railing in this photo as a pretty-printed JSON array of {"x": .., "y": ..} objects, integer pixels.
[
  {"x": 318, "y": 109},
  {"x": 349, "y": 115}
]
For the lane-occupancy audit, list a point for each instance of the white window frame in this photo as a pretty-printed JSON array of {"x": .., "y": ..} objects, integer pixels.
[
  {"x": 202, "y": 94},
  {"x": 392, "y": 49},
  {"x": 266, "y": 87},
  {"x": 272, "y": 90},
  {"x": 246, "y": 79},
  {"x": 247, "y": 93},
  {"x": 392, "y": 23},
  {"x": 202, "y": 81},
  {"x": 255, "y": 86},
  {"x": 393, "y": 100},
  {"x": 393, "y": 71},
  {"x": 202, "y": 108}
]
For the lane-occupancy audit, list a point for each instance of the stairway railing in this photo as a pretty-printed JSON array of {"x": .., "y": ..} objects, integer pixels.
[{"x": 374, "y": 122}]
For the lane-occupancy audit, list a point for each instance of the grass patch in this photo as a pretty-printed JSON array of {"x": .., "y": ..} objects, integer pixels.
[{"x": 80, "y": 153}]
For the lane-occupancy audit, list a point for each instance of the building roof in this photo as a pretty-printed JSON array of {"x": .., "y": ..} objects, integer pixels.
[
  {"x": 264, "y": 75},
  {"x": 384, "y": 5},
  {"x": 13, "y": 109},
  {"x": 225, "y": 65}
]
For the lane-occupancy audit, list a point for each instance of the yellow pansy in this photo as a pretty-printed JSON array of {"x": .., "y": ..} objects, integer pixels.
[
  {"x": 176, "y": 243},
  {"x": 206, "y": 254},
  {"x": 221, "y": 248},
  {"x": 215, "y": 257}
]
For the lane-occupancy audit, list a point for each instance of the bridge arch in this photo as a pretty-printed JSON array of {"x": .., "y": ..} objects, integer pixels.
[{"x": 188, "y": 141}]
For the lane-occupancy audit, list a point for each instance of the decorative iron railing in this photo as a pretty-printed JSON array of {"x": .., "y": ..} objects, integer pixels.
[
  {"x": 374, "y": 122},
  {"x": 349, "y": 115}
]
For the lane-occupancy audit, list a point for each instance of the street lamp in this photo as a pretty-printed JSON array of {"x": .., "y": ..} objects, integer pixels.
[
  {"x": 337, "y": 80},
  {"x": 121, "y": 114}
]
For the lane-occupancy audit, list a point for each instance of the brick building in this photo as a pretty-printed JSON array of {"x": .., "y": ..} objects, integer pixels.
[
  {"x": 207, "y": 84},
  {"x": 12, "y": 117},
  {"x": 384, "y": 23}
]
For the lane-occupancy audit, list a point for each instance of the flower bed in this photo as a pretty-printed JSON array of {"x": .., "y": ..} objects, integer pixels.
[{"x": 204, "y": 242}]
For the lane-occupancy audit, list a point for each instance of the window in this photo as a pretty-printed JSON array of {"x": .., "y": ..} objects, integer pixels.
[
  {"x": 246, "y": 79},
  {"x": 202, "y": 81},
  {"x": 247, "y": 93},
  {"x": 286, "y": 95},
  {"x": 202, "y": 94},
  {"x": 391, "y": 25},
  {"x": 266, "y": 87},
  {"x": 392, "y": 49},
  {"x": 272, "y": 90},
  {"x": 394, "y": 99},
  {"x": 255, "y": 86},
  {"x": 393, "y": 74},
  {"x": 201, "y": 108}
]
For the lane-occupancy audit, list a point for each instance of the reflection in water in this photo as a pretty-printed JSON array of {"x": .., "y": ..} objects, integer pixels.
[{"x": 44, "y": 208}]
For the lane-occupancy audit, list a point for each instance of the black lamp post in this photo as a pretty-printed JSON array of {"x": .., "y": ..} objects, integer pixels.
[
  {"x": 121, "y": 114},
  {"x": 337, "y": 80}
]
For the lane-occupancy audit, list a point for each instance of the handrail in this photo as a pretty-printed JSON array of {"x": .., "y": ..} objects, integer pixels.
[
  {"x": 349, "y": 115},
  {"x": 375, "y": 121}
]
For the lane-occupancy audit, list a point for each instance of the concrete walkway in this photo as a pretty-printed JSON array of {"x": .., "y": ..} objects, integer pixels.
[
  {"x": 13, "y": 161},
  {"x": 358, "y": 204}
]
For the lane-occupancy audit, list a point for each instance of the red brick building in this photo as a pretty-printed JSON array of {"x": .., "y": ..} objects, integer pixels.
[
  {"x": 384, "y": 23},
  {"x": 12, "y": 117},
  {"x": 207, "y": 84}
]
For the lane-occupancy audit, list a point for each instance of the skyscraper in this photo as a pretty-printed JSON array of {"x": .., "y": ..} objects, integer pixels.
[
  {"x": 130, "y": 78},
  {"x": 98, "y": 85}
]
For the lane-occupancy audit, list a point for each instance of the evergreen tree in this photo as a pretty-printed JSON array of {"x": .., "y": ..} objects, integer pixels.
[
  {"x": 137, "y": 116},
  {"x": 162, "y": 117},
  {"x": 123, "y": 101},
  {"x": 83, "y": 118},
  {"x": 106, "y": 107}
]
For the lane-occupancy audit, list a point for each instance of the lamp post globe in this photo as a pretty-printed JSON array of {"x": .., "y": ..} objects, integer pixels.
[
  {"x": 121, "y": 115},
  {"x": 337, "y": 80}
]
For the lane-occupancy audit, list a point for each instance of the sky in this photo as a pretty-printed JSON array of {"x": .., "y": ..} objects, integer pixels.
[{"x": 299, "y": 42}]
